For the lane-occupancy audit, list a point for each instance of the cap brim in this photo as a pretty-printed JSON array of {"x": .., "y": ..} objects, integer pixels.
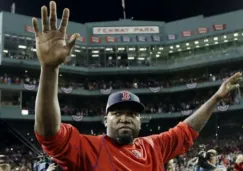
[{"x": 138, "y": 107}]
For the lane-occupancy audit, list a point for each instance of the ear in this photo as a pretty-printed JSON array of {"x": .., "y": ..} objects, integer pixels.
[{"x": 105, "y": 121}]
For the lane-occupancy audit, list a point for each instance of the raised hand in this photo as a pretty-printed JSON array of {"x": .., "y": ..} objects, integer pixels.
[
  {"x": 230, "y": 84},
  {"x": 51, "y": 46}
]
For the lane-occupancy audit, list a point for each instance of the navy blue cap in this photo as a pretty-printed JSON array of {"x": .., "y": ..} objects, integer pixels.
[{"x": 124, "y": 97}]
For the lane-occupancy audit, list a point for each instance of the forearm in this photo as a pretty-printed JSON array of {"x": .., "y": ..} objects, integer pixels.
[
  {"x": 47, "y": 109},
  {"x": 198, "y": 119}
]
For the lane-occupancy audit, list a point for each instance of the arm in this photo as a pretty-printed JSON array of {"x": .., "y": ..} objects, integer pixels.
[
  {"x": 198, "y": 119},
  {"x": 47, "y": 110},
  {"x": 52, "y": 50}
]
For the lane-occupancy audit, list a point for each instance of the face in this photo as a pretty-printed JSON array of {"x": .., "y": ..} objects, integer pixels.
[
  {"x": 214, "y": 160},
  {"x": 123, "y": 125}
]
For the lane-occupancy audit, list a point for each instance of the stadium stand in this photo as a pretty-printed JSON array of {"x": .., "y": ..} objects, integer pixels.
[{"x": 174, "y": 67}]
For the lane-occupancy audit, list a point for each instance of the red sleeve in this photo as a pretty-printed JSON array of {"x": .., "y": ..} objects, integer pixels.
[
  {"x": 64, "y": 146},
  {"x": 176, "y": 141}
]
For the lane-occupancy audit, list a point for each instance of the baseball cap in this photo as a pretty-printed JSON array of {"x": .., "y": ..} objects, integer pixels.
[{"x": 124, "y": 97}]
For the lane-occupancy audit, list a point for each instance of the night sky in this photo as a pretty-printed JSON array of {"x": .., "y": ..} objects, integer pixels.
[{"x": 153, "y": 10}]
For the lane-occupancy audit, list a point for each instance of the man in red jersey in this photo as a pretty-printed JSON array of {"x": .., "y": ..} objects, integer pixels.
[{"x": 119, "y": 149}]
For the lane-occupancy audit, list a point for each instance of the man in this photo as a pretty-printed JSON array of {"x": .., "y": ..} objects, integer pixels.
[
  {"x": 118, "y": 150},
  {"x": 4, "y": 163},
  {"x": 207, "y": 161}
]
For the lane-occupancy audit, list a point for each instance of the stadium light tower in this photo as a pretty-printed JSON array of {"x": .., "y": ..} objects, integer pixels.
[{"x": 124, "y": 9}]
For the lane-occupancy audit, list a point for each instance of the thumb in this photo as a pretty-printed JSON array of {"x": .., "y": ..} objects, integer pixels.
[{"x": 72, "y": 41}]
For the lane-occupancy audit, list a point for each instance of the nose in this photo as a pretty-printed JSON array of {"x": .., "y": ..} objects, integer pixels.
[{"x": 125, "y": 118}]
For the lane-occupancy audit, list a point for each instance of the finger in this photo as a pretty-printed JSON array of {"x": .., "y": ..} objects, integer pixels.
[
  {"x": 64, "y": 21},
  {"x": 44, "y": 19},
  {"x": 235, "y": 77},
  {"x": 53, "y": 15},
  {"x": 72, "y": 41},
  {"x": 35, "y": 25},
  {"x": 235, "y": 86}
]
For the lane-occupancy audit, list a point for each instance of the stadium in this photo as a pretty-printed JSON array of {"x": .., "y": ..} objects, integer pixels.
[{"x": 173, "y": 67}]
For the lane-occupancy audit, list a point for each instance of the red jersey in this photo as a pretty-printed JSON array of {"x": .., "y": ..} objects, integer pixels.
[{"x": 77, "y": 152}]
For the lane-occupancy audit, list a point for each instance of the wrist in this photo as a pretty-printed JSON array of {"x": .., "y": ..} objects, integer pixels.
[
  {"x": 216, "y": 98},
  {"x": 49, "y": 68}
]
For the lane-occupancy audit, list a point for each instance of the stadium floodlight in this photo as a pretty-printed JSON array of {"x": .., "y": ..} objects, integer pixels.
[
  {"x": 179, "y": 50},
  {"x": 207, "y": 44},
  {"x": 131, "y": 49},
  {"x": 196, "y": 42},
  {"x": 72, "y": 55},
  {"x": 5, "y": 51},
  {"x": 225, "y": 41},
  {"x": 205, "y": 40},
  {"x": 143, "y": 49},
  {"x": 171, "y": 47},
  {"x": 188, "y": 48},
  {"x": 235, "y": 38},
  {"x": 76, "y": 50},
  {"x": 197, "y": 46},
  {"x": 215, "y": 38},
  {"x": 159, "y": 52},
  {"x": 216, "y": 42},
  {"x": 22, "y": 47},
  {"x": 33, "y": 49},
  {"x": 95, "y": 55},
  {"x": 225, "y": 36},
  {"x": 141, "y": 59},
  {"x": 95, "y": 51},
  {"x": 187, "y": 44},
  {"x": 118, "y": 57},
  {"x": 108, "y": 49},
  {"x": 130, "y": 58},
  {"x": 157, "y": 56},
  {"x": 161, "y": 48},
  {"x": 236, "y": 34},
  {"x": 177, "y": 46},
  {"x": 121, "y": 48},
  {"x": 170, "y": 51}
]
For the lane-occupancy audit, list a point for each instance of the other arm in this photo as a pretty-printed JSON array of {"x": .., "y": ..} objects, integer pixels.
[{"x": 198, "y": 119}]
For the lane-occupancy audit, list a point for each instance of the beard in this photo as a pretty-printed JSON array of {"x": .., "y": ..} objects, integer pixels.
[{"x": 124, "y": 139}]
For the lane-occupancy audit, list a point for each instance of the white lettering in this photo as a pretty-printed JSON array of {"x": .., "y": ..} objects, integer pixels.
[{"x": 126, "y": 30}]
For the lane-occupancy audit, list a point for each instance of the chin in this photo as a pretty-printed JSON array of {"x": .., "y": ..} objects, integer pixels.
[{"x": 124, "y": 139}]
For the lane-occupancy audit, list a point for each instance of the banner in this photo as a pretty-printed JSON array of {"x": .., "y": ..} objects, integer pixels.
[
  {"x": 81, "y": 39},
  {"x": 186, "y": 112},
  {"x": 145, "y": 118},
  {"x": 106, "y": 91},
  {"x": 126, "y": 30},
  {"x": 29, "y": 86},
  {"x": 95, "y": 39},
  {"x": 29, "y": 29},
  {"x": 202, "y": 30},
  {"x": 154, "y": 89},
  {"x": 78, "y": 117},
  {"x": 171, "y": 37},
  {"x": 217, "y": 27},
  {"x": 67, "y": 90},
  {"x": 110, "y": 39},
  {"x": 126, "y": 39},
  {"x": 156, "y": 38},
  {"x": 223, "y": 108},
  {"x": 186, "y": 33},
  {"x": 191, "y": 85},
  {"x": 141, "y": 38}
]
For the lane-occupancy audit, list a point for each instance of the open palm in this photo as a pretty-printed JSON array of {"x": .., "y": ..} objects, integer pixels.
[{"x": 52, "y": 49}]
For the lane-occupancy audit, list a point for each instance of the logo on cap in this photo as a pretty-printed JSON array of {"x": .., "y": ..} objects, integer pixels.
[{"x": 126, "y": 95}]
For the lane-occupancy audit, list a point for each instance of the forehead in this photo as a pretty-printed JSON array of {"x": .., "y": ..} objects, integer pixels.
[{"x": 124, "y": 107}]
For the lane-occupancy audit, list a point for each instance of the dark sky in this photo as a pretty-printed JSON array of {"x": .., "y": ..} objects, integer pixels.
[{"x": 105, "y": 10}]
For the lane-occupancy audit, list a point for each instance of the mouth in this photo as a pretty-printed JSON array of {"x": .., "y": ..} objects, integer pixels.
[{"x": 125, "y": 127}]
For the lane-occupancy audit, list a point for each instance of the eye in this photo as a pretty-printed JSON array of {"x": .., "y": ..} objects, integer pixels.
[{"x": 117, "y": 113}]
